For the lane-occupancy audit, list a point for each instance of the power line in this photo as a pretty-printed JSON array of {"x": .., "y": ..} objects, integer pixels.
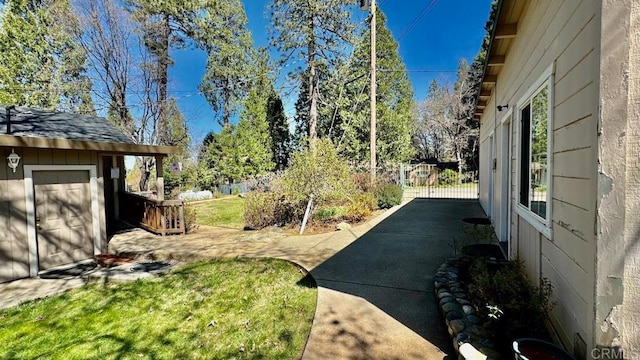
[{"x": 417, "y": 19}]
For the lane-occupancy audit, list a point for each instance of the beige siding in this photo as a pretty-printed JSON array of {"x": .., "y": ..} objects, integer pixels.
[
  {"x": 14, "y": 260},
  {"x": 564, "y": 33},
  {"x": 14, "y": 251}
]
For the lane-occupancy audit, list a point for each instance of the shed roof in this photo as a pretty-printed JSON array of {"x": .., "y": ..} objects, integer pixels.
[{"x": 30, "y": 127}]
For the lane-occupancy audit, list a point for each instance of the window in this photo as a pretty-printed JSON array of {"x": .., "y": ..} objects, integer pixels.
[{"x": 535, "y": 152}]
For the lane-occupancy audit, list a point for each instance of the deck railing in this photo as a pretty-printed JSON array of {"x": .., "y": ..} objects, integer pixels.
[{"x": 162, "y": 217}]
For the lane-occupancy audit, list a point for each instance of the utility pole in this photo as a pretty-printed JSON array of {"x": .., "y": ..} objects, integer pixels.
[{"x": 372, "y": 141}]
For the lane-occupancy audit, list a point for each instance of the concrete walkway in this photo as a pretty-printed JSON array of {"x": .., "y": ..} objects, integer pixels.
[{"x": 375, "y": 288}]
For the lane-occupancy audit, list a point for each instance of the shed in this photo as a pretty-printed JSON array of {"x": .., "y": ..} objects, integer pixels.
[{"x": 61, "y": 197}]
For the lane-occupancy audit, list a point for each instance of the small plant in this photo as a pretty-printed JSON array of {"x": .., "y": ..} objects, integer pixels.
[
  {"x": 190, "y": 218},
  {"x": 329, "y": 214},
  {"x": 388, "y": 195},
  {"x": 449, "y": 177},
  {"x": 361, "y": 206},
  {"x": 512, "y": 305}
]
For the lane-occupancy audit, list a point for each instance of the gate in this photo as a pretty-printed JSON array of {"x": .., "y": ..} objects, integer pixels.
[{"x": 429, "y": 181}]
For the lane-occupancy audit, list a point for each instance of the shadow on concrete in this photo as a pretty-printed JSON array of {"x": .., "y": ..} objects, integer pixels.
[{"x": 392, "y": 266}]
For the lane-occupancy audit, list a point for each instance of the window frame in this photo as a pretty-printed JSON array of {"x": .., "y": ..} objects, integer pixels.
[{"x": 543, "y": 225}]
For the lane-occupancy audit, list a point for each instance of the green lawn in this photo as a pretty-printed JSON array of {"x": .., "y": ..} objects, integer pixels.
[
  {"x": 225, "y": 212},
  {"x": 227, "y": 309}
]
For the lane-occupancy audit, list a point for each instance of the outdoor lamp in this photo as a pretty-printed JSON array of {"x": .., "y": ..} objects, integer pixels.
[{"x": 14, "y": 159}]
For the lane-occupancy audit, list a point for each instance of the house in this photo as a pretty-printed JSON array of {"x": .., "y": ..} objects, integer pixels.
[
  {"x": 559, "y": 109},
  {"x": 61, "y": 188}
]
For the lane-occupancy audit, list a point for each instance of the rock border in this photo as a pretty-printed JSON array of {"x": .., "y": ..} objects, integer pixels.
[{"x": 462, "y": 323}]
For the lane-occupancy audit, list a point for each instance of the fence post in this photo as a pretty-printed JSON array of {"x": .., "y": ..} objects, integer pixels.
[{"x": 402, "y": 176}]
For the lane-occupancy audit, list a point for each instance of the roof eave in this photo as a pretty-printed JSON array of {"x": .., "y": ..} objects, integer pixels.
[
  {"x": 66, "y": 144},
  {"x": 488, "y": 55}
]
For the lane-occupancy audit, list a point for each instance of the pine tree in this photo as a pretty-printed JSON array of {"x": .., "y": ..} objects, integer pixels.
[
  {"x": 41, "y": 63},
  {"x": 279, "y": 132},
  {"x": 317, "y": 33},
  {"x": 395, "y": 106},
  {"x": 227, "y": 42}
]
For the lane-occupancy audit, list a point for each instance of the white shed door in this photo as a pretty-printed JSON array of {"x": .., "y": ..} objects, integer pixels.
[{"x": 63, "y": 217}]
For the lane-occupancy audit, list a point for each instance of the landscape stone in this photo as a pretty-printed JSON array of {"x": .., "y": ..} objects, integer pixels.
[
  {"x": 456, "y": 326},
  {"x": 453, "y": 315},
  {"x": 450, "y": 307},
  {"x": 446, "y": 300},
  {"x": 343, "y": 226},
  {"x": 473, "y": 319},
  {"x": 468, "y": 309}
]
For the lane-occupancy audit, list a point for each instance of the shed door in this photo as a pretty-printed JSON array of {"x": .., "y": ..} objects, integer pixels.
[{"x": 63, "y": 217}]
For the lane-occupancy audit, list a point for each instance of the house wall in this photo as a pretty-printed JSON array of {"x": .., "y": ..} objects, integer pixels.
[
  {"x": 631, "y": 300},
  {"x": 13, "y": 222},
  {"x": 618, "y": 224},
  {"x": 563, "y": 34}
]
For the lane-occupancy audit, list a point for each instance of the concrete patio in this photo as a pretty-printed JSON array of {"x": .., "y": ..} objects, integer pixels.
[{"x": 375, "y": 288}]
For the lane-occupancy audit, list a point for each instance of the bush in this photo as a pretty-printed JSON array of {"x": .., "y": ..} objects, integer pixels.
[
  {"x": 260, "y": 210},
  {"x": 321, "y": 174},
  {"x": 388, "y": 195},
  {"x": 512, "y": 305},
  {"x": 190, "y": 218},
  {"x": 449, "y": 177},
  {"x": 329, "y": 214},
  {"x": 268, "y": 209},
  {"x": 361, "y": 207}
]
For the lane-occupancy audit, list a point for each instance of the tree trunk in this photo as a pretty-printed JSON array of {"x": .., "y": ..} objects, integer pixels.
[
  {"x": 459, "y": 159},
  {"x": 145, "y": 172},
  {"x": 163, "y": 80},
  {"x": 227, "y": 100},
  {"x": 313, "y": 92}
]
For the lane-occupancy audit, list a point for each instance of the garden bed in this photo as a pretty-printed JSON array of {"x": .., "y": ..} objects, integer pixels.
[{"x": 488, "y": 302}]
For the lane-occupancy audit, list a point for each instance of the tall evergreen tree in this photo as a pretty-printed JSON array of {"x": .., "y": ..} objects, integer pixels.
[
  {"x": 41, "y": 63},
  {"x": 279, "y": 132},
  {"x": 395, "y": 106},
  {"x": 315, "y": 32},
  {"x": 229, "y": 48}
]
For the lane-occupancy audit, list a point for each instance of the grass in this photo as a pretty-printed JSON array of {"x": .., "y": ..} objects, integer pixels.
[
  {"x": 227, "y": 309},
  {"x": 224, "y": 212}
]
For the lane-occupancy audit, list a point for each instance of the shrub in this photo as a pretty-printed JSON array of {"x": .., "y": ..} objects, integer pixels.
[
  {"x": 329, "y": 214},
  {"x": 509, "y": 301},
  {"x": 449, "y": 177},
  {"x": 320, "y": 173},
  {"x": 190, "y": 218},
  {"x": 361, "y": 206},
  {"x": 268, "y": 209},
  {"x": 388, "y": 195},
  {"x": 260, "y": 210}
]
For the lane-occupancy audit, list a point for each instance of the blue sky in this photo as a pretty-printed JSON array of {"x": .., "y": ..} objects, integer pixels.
[{"x": 449, "y": 31}]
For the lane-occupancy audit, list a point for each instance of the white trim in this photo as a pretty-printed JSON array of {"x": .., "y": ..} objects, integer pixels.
[
  {"x": 546, "y": 79},
  {"x": 537, "y": 222},
  {"x": 505, "y": 178},
  {"x": 29, "y": 190},
  {"x": 506, "y": 116},
  {"x": 491, "y": 176},
  {"x": 535, "y": 87}
]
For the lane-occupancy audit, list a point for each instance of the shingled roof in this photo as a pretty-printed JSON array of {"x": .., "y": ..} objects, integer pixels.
[
  {"x": 30, "y": 127},
  {"x": 60, "y": 125}
]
